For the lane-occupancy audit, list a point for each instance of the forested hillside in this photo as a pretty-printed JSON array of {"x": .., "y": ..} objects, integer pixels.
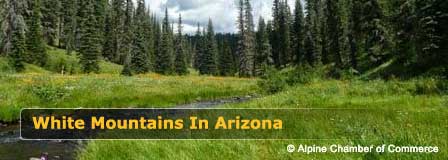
[{"x": 351, "y": 36}]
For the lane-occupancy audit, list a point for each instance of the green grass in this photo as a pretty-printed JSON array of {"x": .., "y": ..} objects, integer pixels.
[
  {"x": 95, "y": 91},
  {"x": 5, "y": 67},
  {"x": 392, "y": 113},
  {"x": 59, "y": 61},
  {"x": 110, "y": 68},
  {"x": 410, "y": 112},
  {"x": 33, "y": 69}
]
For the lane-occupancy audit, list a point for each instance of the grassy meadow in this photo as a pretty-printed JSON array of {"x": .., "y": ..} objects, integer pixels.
[
  {"x": 400, "y": 112},
  {"x": 394, "y": 112},
  {"x": 47, "y": 87},
  {"x": 93, "y": 91}
]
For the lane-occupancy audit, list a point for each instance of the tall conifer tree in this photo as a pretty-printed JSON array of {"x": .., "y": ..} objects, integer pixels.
[
  {"x": 263, "y": 49},
  {"x": 164, "y": 60},
  {"x": 299, "y": 33},
  {"x": 334, "y": 31},
  {"x": 68, "y": 36},
  {"x": 51, "y": 11},
  {"x": 225, "y": 60},
  {"x": 208, "y": 59},
  {"x": 89, "y": 47},
  {"x": 139, "y": 50},
  {"x": 35, "y": 43},
  {"x": 15, "y": 36},
  {"x": 199, "y": 47},
  {"x": 355, "y": 31},
  {"x": 180, "y": 59},
  {"x": 246, "y": 44}
]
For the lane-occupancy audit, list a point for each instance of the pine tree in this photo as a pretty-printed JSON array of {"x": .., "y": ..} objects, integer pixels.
[
  {"x": 35, "y": 43},
  {"x": 274, "y": 38},
  {"x": 100, "y": 14},
  {"x": 114, "y": 37},
  {"x": 334, "y": 31},
  {"x": 355, "y": 31},
  {"x": 139, "y": 50},
  {"x": 323, "y": 43},
  {"x": 198, "y": 48},
  {"x": 376, "y": 43},
  {"x": 404, "y": 25},
  {"x": 190, "y": 51},
  {"x": 127, "y": 67},
  {"x": 180, "y": 60},
  {"x": 313, "y": 26},
  {"x": 149, "y": 37},
  {"x": 208, "y": 59},
  {"x": 225, "y": 63},
  {"x": 270, "y": 33},
  {"x": 249, "y": 36},
  {"x": 18, "y": 48},
  {"x": 15, "y": 34},
  {"x": 285, "y": 53},
  {"x": 311, "y": 54},
  {"x": 108, "y": 51},
  {"x": 310, "y": 46},
  {"x": 164, "y": 60},
  {"x": 246, "y": 44},
  {"x": 263, "y": 49},
  {"x": 299, "y": 33},
  {"x": 12, "y": 19},
  {"x": 157, "y": 43},
  {"x": 2, "y": 18},
  {"x": 89, "y": 47},
  {"x": 432, "y": 35},
  {"x": 127, "y": 35},
  {"x": 50, "y": 20},
  {"x": 68, "y": 36}
]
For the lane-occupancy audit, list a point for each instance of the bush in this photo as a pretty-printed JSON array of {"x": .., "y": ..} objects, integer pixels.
[
  {"x": 273, "y": 81},
  {"x": 59, "y": 61},
  {"x": 431, "y": 86},
  {"x": 5, "y": 67},
  {"x": 49, "y": 92},
  {"x": 277, "y": 80}
]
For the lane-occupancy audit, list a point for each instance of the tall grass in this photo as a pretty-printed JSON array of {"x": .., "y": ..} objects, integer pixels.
[
  {"x": 392, "y": 113},
  {"x": 152, "y": 90},
  {"x": 59, "y": 62}
]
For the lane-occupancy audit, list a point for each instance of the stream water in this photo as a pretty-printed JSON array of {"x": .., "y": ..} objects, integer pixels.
[{"x": 12, "y": 148}]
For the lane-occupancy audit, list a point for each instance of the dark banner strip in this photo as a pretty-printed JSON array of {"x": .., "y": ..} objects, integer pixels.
[{"x": 73, "y": 124}]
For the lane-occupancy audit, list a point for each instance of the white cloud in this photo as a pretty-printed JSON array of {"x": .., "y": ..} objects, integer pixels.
[{"x": 222, "y": 12}]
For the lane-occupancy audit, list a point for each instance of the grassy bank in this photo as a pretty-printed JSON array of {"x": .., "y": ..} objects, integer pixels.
[
  {"x": 46, "y": 90},
  {"x": 394, "y": 112}
]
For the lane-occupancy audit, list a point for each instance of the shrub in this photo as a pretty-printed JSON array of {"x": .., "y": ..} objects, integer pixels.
[
  {"x": 277, "y": 80},
  {"x": 49, "y": 92},
  {"x": 59, "y": 61},
  {"x": 430, "y": 86},
  {"x": 273, "y": 81},
  {"x": 5, "y": 67}
]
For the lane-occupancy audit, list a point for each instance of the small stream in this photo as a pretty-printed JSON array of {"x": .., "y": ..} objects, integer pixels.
[{"x": 12, "y": 148}]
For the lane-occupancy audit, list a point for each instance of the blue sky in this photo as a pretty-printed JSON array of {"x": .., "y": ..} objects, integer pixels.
[{"x": 222, "y": 12}]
